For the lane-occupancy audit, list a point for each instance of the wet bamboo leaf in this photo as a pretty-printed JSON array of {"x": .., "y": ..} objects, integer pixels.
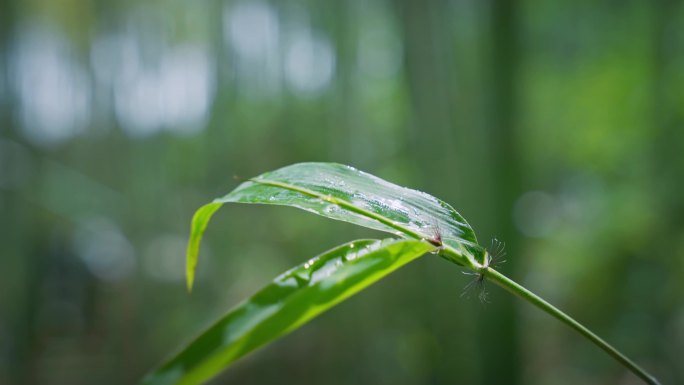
[
  {"x": 292, "y": 299},
  {"x": 344, "y": 193}
]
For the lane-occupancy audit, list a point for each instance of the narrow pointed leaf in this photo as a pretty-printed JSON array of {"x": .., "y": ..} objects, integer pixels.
[
  {"x": 291, "y": 300},
  {"x": 199, "y": 223},
  {"x": 344, "y": 193}
]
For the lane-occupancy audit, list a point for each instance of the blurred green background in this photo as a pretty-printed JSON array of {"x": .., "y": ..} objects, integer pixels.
[{"x": 557, "y": 127}]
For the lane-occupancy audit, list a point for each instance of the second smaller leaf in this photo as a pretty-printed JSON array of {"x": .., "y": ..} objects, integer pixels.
[{"x": 288, "y": 302}]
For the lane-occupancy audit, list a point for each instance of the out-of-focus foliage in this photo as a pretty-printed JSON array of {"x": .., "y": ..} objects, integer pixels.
[{"x": 118, "y": 119}]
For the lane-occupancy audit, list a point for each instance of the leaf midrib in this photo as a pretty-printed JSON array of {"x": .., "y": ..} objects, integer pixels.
[{"x": 446, "y": 249}]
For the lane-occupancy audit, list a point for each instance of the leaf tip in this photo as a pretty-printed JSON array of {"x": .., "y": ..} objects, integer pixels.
[
  {"x": 191, "y": 263},
  {"x": 199, "y": 223}
]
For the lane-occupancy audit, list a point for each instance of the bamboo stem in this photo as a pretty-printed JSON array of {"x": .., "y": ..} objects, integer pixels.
[{"x": 532, "y": 298}]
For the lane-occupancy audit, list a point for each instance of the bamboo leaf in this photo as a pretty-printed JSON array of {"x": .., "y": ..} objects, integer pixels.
[
  {"x": 344, "y": 193},
  {"x": 288, "y": 302},
  {"x": 199, "y": 223}
]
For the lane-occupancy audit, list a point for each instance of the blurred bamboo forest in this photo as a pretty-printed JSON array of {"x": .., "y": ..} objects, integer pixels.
[{"x": 557, "y": 127}]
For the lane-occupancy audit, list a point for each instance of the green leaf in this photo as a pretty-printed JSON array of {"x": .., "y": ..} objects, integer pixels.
[
  {"x": 344, "y": 193},
  {"x": 199, "y": 223},
  {"x": 291, "y": 300}
]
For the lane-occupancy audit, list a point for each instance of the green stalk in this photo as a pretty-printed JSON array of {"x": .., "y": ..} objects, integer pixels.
[{"x": 532, "y": 298}]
